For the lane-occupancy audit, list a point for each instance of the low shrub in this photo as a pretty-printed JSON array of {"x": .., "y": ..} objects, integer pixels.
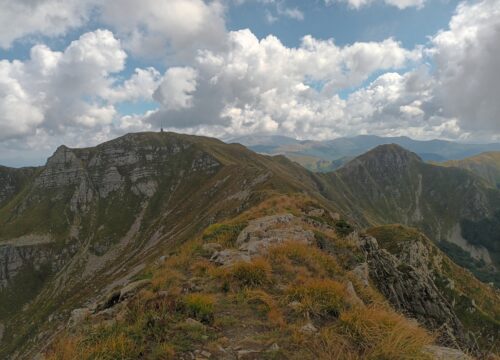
[
  {"x": 223, "y": 234},
  {"x": 199, "y": 306},
  {"x": 343, "y": 228},
  {"x": 251, "y": 274},
  {"x": 268, "y": 304},
  {"x": 166, "y": 278},
  {"x": 319, "y": 297},
  {"x": 163, "y": 351},
  {"x": 311, "y": 257}
]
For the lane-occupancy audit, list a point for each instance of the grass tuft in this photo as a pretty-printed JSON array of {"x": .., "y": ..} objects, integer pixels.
[
  {"x": 251, "y": 274},
  {"x": 319, "y": 297},
  {"x": 199, "y": 306},
  {"x": 223, "y": 234},
  {"x": 383, "y": 334}
]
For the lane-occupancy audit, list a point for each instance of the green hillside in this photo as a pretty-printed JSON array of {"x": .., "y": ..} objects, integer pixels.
[
  {"x": 485, "y": 165},
  {"x": 452, "y": 206}
]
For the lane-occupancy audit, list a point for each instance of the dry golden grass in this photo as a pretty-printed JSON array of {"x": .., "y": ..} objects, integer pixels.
[
  {"x": 383, "y": 334},
  {"x": 224, "y": 234},
  {"x": 277, "y": 204},
  {"x": 163, "y": 351},
  {"x": 330, "y": 345},
  {"x": 257, "y": 295},
  {"x": 274, "y": 314},
  {"x": 202, "y": 267},
  {"x": 116, "y": 346},
  {"x": 113, "y": 347},
  {"x": 250, "y": 274},
  {"x": 64, "y": 348},
  {"x": 299, "y": 254},
  {"x": 319, "y": 297},
  {"x": 199, "y": 306},
  {"x": 166, "y": 278},
  {"x": 184, "y": 257}
]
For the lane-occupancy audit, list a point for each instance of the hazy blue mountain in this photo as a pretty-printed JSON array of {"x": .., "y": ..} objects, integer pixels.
[{"x": 330, "y": 154}]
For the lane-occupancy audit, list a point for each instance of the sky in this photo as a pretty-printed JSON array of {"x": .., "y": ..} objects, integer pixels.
[{"x": 80, "y": 72}]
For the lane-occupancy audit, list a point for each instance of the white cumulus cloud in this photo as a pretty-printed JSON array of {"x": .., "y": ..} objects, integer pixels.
[
  {"x": 47, "y": 17},
  {"x": 176, "y": 88},
  {"x": 467, "y": 57},
  {"x": 55, "y": 91},
  {"x": 262, "y": 85},
  {"x": 400, "y": 4}
]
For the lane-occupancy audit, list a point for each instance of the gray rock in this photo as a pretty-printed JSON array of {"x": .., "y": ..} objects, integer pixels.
[
  {"x": 411, "y": 289},
  {"x": 295, "y": 305},
  {"x": 316, "y": 212},
  {"x": 132, "y": 288},
  {"x": 118, "y": 296},
  {"x": 308, "y": 328},
  {"x": 247, "y": 353},
  {"x": 274, "y": 347},
  {"x": 193, "y": 322},
  {"x": 444, "y": 353},
  {"x": 352, "y": 296},
  {"x": 361, "y": 272},
  {"x": 211, "y": 247},
  {"x": 20, "y": 254},
  {"x": 229, "y": 257},
  {"x": 110, "y": 300},
  {"x": 267, "y": 231},
  {"x": 78, "y": 315}
]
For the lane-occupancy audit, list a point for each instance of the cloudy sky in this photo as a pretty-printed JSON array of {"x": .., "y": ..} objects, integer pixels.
[{"x": 80, "y": 72}]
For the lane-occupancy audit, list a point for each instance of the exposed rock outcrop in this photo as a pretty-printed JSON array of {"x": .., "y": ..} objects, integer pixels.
[
  {"x": 14, "y": 259},
  {"x": 98, "y": 172},
  {"x": 12, "y": 181},
  {"x": 444, "y": 353},
  {"x": 262, "y": 233},
  {"x": 405, "y": 281}
]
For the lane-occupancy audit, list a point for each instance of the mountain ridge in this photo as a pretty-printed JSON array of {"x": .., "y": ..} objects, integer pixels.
[
  {"x": 93, "y": 220},
  {"x": 485, "y": 165},
  {"x": 392, "y": 185},
  {"x": 328, "y": 155}
]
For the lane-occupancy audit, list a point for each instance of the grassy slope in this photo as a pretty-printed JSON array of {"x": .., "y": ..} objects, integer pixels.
[
  {"x": 14, "y": 179},
  {"x": 247, "y": 305},
  {"x": 486, "y": 165}
]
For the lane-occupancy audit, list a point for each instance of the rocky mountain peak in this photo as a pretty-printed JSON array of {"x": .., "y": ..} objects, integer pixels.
[{"x": 388, "y": 156}]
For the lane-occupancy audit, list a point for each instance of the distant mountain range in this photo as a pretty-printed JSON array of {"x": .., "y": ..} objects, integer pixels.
[{"x": 329, "y": 155}]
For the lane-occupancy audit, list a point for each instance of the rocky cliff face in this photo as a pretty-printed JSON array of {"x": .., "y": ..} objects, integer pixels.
[
  {"x": 12, "y": 181},
  {"x": 406, "y": 282},
  {"x": 114, "y": 166},
  {"x": 424, "y": 283}
]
